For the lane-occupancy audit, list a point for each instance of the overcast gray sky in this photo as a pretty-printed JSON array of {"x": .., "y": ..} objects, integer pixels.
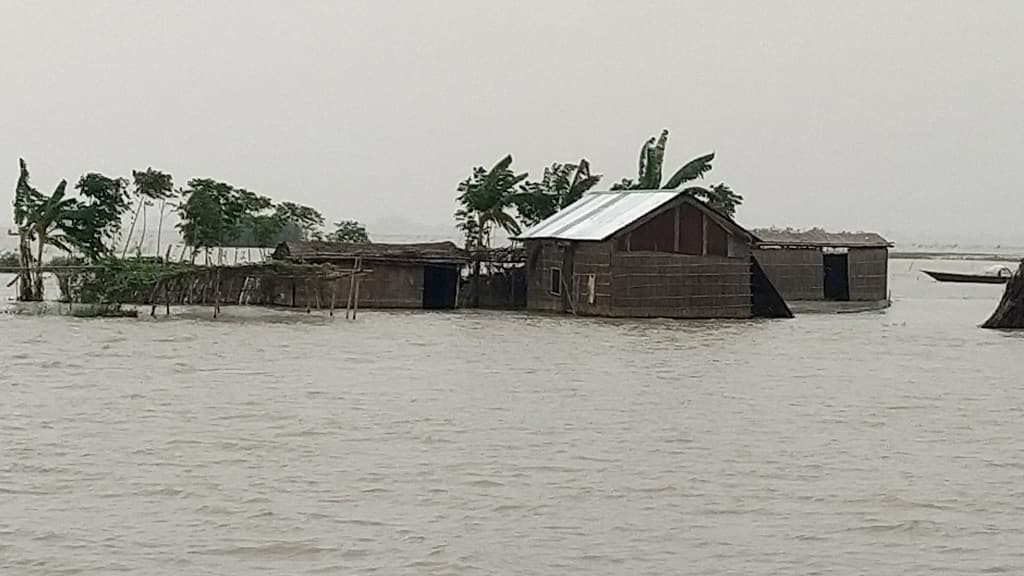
[{"x": 898, "y": 116}]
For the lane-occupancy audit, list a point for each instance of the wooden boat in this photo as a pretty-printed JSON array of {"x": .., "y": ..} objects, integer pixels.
[{"x": 994, "y": 275}]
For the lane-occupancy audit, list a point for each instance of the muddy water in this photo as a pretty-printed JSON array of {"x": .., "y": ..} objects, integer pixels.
[{"x": 475, "y": 443}]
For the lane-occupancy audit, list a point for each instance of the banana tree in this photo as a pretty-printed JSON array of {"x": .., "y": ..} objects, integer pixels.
[
  {"x": 561, "y": 185},
  {"x": 26, "y": 201},
  {"x": 649, "y": 177},
  {"x": 50, "y": 220},
  {"x": 486, "y": 201}
]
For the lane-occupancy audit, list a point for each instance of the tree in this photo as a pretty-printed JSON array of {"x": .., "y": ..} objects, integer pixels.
[
  {"x": 149, "y": 186},
  {"x": 26, "y": 201},
  {"x": 561, "y": 185},
  {"x": 215, "y": 213},
  {"x": 50, "y": 222},
  {"x": 88, "y": 223},
  {"x": 348, "y": 232},
  {"x": 103, "y": 202},
  {"x": 309, "y": 220},
  {"x": 485, "y": 199},
  {"x": 649, "y": 177}
]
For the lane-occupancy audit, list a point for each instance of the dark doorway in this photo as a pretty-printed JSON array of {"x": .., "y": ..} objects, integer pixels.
[
  {"x": 439, "y": 287},
  {"x": 837, "y": 277}
]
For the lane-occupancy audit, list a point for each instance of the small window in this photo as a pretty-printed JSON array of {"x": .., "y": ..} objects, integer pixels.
[{"x": 556, "y": 282}]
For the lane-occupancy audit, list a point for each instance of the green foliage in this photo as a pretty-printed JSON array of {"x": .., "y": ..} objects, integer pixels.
[
  {"x": 719, "y": 196},
  {"x": 485, "y": 200},
  {"x": 148, "y": 186},
  {"x": 153, "y": 184},
  {"x": 117, "y": 280},
  {"x": 94, "y": 227},
  {"x": 652, "y": 157},
  {"x": 9, "y": 259},
  {"x": 348, "y": 232},
  {"x": 215, "y": 213},
  {"x": 307, "y": 219},
  {"x": 561, "y": 185}
]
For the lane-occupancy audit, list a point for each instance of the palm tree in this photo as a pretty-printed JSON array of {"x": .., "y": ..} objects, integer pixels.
[
  {"x": 561, "y": 185},
  {"x": 149, "y": 186},
  {"x": 652, "y": 157}
]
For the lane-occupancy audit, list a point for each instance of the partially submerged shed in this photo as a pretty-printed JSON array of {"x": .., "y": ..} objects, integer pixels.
[
  {"x": 819, "y": 265},
  {"x": 645, "y": 253},
  {"x": 424, "y": 275}
]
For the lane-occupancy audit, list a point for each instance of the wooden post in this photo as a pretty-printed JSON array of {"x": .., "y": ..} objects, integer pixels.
[
  {"x": 334, "y": 295},
  {"x": 167, "y": 300},
  {"x": 152, "y": 299},
  {"x": 351, "y": 287},
  {"x": 216, "y": 291},
  {"x": 319, "y": 284},
  {"x": 308, "y": 310},
  {"x": 355, "y": 301}
]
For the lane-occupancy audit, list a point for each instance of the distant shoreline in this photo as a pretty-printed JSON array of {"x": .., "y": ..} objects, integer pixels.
[{"x": 986, "y": 256}]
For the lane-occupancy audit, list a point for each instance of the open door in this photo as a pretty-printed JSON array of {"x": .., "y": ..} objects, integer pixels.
[
  {"x": 440, "y": 287},
  {"x": 837, "y": 277}
]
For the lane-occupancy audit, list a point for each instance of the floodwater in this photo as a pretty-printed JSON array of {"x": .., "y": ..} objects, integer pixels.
[{"x": 483, "y": 443}]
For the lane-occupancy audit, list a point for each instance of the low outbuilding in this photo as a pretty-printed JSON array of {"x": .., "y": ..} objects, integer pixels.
[
  {"x": 818, "y": 265},
  {"x": 422, "y": 275}
]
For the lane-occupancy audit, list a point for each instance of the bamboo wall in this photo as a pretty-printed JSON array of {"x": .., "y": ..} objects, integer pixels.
[
  {"x": 653, "y": 284},
  {"x": 869, "y": 274},
  {"x": 389, "y": 285},
  {"x": 541, "y": 257},
  {"x": 798, "y": 274}
]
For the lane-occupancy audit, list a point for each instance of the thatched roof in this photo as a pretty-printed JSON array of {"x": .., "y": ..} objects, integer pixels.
[
  {"x": 324, "y": 252},
  {"x": 818, "y": 238}
]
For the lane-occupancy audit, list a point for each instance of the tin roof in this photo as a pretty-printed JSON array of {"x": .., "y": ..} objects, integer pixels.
[
  {"x": 599, "y": 215},
  {"x": 817, "y": 238}
]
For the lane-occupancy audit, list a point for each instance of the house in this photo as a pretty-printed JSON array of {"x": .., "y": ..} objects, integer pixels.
[
  {"x": 645, "y": 253},
  {"x": 399, "y": 275},
  {"x": 820, "y": 265}
]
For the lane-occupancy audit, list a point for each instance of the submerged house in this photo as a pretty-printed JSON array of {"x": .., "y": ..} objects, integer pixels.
[
  {"x": 645, "y": 253},
  {"x": 819, "y": 265},
  {"x": 398, "y": 275}
]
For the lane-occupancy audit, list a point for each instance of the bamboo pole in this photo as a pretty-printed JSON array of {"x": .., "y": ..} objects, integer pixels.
[
  {"x": 319, "y": 283},
  {"x": 351, "y": 289},
  {"x": 355, "y": 301},
  {"x": 216, "y": 291},
  {"x": 358, "y": 280},
  {"x": 153, "y": 299},
  {"x": 334, "y": 295}
]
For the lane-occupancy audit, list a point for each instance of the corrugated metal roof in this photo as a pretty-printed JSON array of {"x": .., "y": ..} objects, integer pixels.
[
  {"x": 817, "y": 238},
  {"x": 598, "y": 215}
]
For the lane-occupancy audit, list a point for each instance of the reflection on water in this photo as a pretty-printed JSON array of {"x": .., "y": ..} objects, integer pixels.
[{"x": 479, "y": 443}]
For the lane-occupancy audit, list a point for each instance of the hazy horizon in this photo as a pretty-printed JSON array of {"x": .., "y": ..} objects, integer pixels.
[{"x": 899, "y": 118}]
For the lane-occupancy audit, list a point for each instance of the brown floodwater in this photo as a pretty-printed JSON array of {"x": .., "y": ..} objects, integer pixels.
[{"x": 487, "y": 443}]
